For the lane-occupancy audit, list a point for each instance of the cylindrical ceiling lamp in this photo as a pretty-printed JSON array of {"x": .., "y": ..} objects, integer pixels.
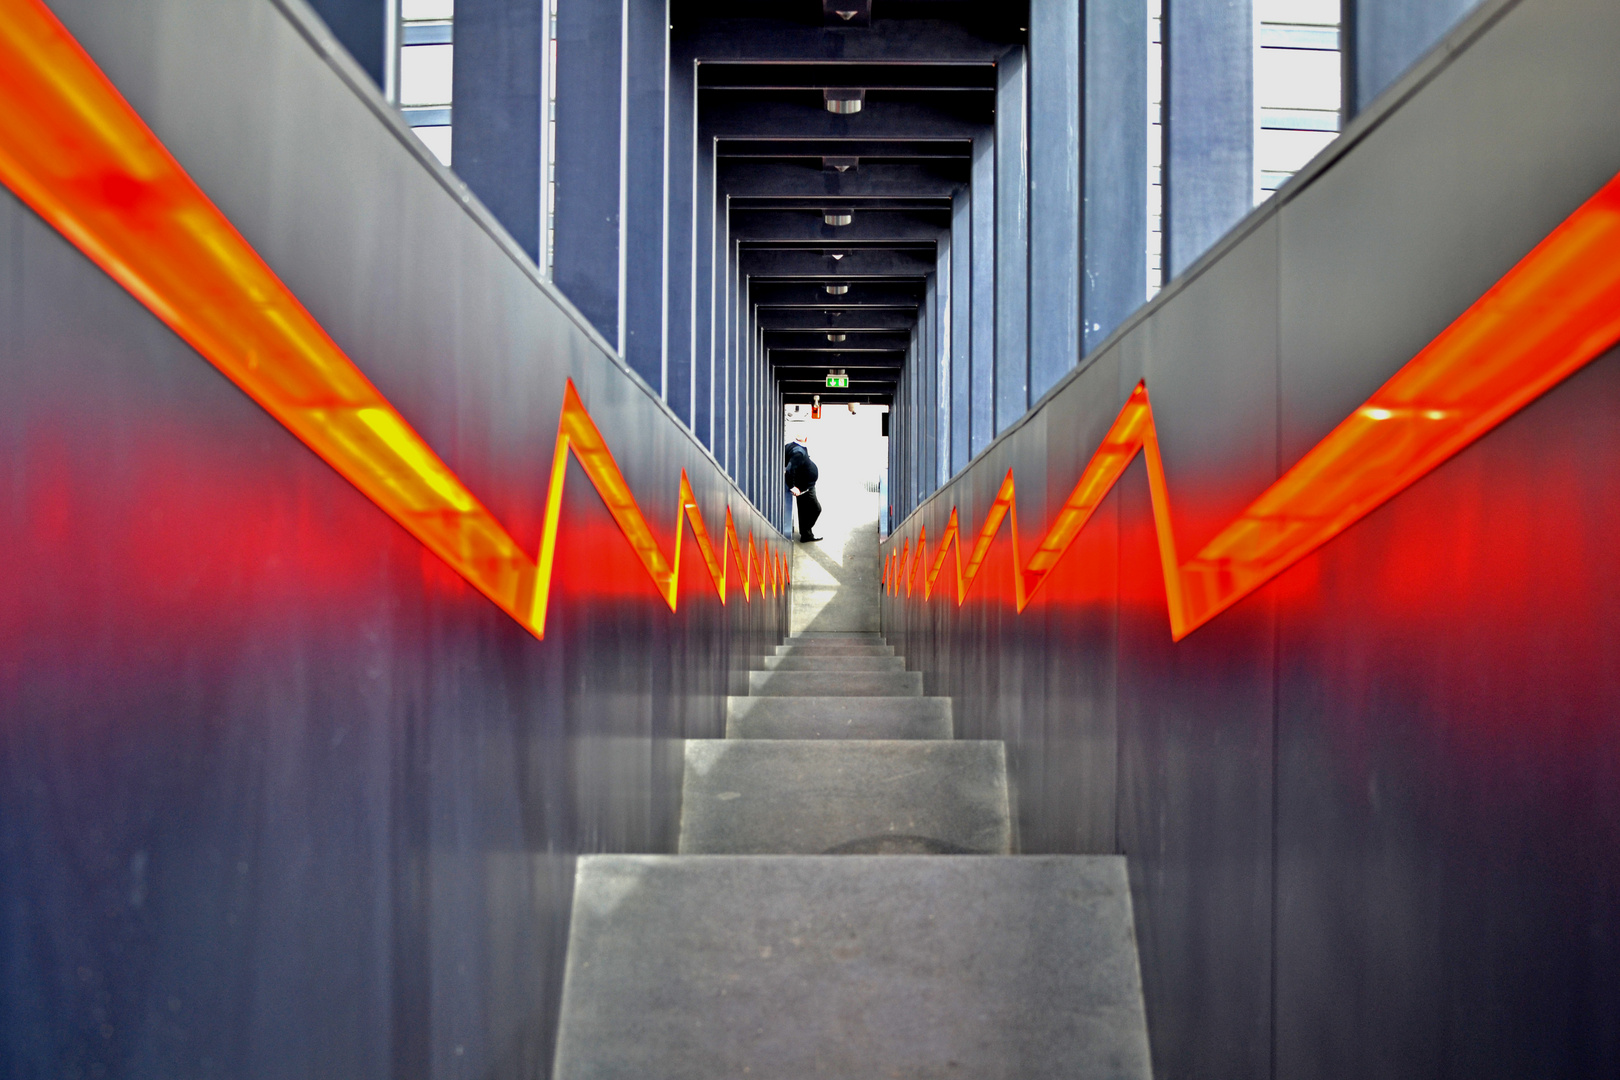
[{"x": 844, "y": 101}]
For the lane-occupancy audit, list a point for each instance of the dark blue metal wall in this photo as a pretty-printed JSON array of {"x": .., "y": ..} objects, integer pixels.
[
  {"x": 280, "y": 795},
  {"x": 1372, "y": 813}
]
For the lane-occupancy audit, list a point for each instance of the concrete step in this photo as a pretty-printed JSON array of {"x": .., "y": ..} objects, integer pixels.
[
  {"x": 835, "y": 683},
  {"x": 834, "y": 663},
  {"x": 838, "y": 718},
  {"x": 864, "y": 796},
  {"x": 810, "y": 637},
  {"x": 852, "y": 968},
  {"x": 835, "y": 648}
]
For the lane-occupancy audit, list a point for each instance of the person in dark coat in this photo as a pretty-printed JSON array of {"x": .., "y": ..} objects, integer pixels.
[{"x": 800, "y": 476}]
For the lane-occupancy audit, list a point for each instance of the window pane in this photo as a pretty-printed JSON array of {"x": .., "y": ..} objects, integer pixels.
[
  {"x": 1288, "y": 151},
  {"x": 424, "y": 74},
  {"x": 413, "y": 10},
  {"x": 1298, "y": 11},
  {"x": 436, "y": 139},
  {"x": 1294, "y": 79}
]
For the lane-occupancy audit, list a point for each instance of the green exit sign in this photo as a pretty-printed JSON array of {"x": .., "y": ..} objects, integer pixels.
[{"x": 838, "y": 382}]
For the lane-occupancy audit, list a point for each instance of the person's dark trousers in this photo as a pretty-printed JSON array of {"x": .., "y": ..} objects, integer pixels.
[{"x": 809, "y": 510}]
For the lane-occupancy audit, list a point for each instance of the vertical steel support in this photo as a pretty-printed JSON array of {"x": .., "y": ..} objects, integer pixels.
[
  {"x": 961, "y": 327},
  {"x": 497, "y": 140},
  {"x": 588, "y": 257},
  {"x": 1012, "y": 238},
  {"x": 706, "y": 306},
  {"x": 1382, "y": 38},
  {"x": 646, "y": 196},
  {"x": 982, "y": 378},
  {"x": 942, "y": 365},
  {"x": 1209, "y": 182},
  {"x": 1054, "y": 191},
  {"x": 1114, "y": 230},
  {"x": 362, "y": 28},
  {"x": 681, "y": 392},
  {"x": 611, "y": 184}
]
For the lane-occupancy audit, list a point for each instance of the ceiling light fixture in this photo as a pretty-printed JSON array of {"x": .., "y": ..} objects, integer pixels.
[
  {"x": 843, "y": 100},
  {"x": 837, "y": 217},
  {"x": 837, "y": 290},
  {"x": 836, "y": 337}
]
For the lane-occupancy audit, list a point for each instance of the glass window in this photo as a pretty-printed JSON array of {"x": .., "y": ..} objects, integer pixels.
[
  {"x": 426, "y": 66},
  {"x": 1298, "y": 87}
]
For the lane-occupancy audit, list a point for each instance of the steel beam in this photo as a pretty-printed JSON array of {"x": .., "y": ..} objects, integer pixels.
[
  {"x": 779, "y": 149},
  {"x": 806, "y": 122},
  {"x": 810, "y": 181},
  {"x": 858, "y": 263},
  {"x": 807, "y": 227},
  {"x": 848, "y": 321},
  {"x": 857, "y": 341},
  {"x": 861, "y": 294},
  {"x": 775, "y": 41}
]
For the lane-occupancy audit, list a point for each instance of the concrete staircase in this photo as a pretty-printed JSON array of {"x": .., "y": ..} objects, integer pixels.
[{"x": 793, "y": 937}]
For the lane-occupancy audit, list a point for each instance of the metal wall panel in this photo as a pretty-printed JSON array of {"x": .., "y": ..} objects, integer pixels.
[
  {"x": 1370, "y": 812},
  {"x": 280, "y": 795}
]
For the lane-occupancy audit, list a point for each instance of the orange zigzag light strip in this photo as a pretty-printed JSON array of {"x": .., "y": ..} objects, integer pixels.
[
  {"x": 1557, "y": 310},
  {"x": 73, "y": 150}
]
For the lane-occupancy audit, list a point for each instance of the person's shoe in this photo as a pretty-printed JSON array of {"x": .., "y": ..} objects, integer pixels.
[{"x": 808, "y": 539}]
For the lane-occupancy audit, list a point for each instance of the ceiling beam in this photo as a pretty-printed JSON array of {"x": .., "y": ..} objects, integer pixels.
[
  {"x": 776, "y": 41},
  {"x": 858, "y": 263},
  {"x": 846, "y": 321},
  {"x": 769, "y": 294},
  {"x": 782, "y": 180},
  {"x": 809, "y": 121},
  {"x": 868, "y": 226}
]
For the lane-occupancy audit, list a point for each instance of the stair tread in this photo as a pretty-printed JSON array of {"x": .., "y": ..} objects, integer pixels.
[
  {"x": 835, "y": 648},
  {"x": 833, "y": 663},
  {"x": 838, "y": 718},
  {"x": 835, "y": 683},
  {"x": 783, "y": 967},
  {"x": 764, "y": 796}
]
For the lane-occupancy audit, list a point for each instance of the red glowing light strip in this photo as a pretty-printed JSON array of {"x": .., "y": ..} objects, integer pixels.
[
  {"x": 1557, "y": 310},
  {"x": 72, "y": 149}
]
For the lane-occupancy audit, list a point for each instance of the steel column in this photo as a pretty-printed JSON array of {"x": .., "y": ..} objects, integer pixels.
[
  {"x": 496, "y": 138},
  {"x": 646, "y": 196},
  {"x": 1114, "y": 232},
  {"x": 961, "y": 270},
  {"x": 1385, "y": 37},
  {"x": 982, "y": 379},
  {"x": 1054, "y": 191},
  {"x": 362, "y": 28},
  {"x": 1208, "y": 124}
]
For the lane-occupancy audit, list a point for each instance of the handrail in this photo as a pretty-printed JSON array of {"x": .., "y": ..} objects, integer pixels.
[
  {"x": 1553, "y": 313},
  {"x": 77, "y": 153}
]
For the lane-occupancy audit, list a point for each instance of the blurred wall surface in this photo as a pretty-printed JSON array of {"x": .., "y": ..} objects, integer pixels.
[
  {"x": 280, "y": 795},
  {"x": 1371, "y": 813}
]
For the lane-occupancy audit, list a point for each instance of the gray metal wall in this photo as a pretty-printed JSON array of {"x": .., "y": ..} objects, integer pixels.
[
  {"x": 1371, "y": 813},
  {"x": 280, "y": 795}
]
